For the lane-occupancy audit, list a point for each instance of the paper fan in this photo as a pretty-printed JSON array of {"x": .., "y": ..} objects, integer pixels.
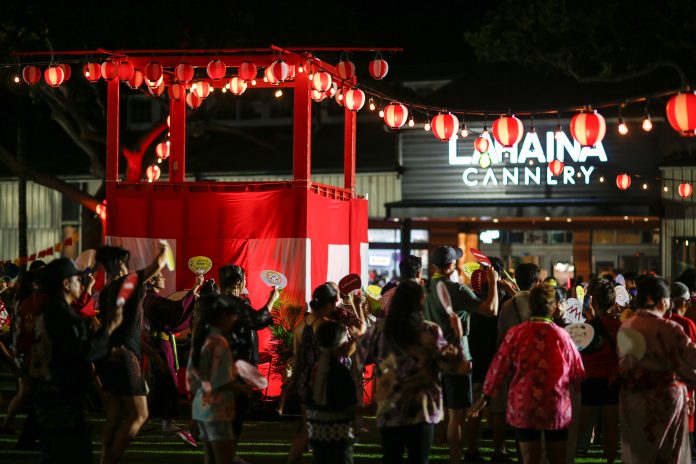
[
  {"x": 622, "y": 296},
  {"x": 86, "y": 259},
  {"x": 274, "y": 279},
  {"x": 469, "y": 269},
  {"x": 200, "y": 264},
  {"x": 250, "y": 374},
  {"x": 630, "y": 342},
  {"x": 581, "y": 333},
  {"x": 169, "y": 255},
  {"x": 444, "y": 296}
]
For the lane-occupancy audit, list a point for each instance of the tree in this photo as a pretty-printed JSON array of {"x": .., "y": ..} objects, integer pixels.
[{"x": 595, "y": 41}]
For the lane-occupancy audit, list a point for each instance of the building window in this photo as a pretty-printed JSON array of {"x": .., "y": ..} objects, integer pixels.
[{"x": 385, "y": 253}]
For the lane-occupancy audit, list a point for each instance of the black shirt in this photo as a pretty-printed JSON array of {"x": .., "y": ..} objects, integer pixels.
[
  {"x": 243, "y": 340},
  {"x": 128, "y": 333}
]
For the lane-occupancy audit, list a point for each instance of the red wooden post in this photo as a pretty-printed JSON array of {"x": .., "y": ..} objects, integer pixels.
[
  {"x": 302, "y": 141},
  {"x": 177, "y": 141},
  {"x": 112, "y": 128},
  {"x": 349, "y": 152}
]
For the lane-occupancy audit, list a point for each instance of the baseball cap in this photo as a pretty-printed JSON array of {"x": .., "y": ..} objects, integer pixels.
[
  {"x": 679, "y": 290},
  {"x": 444, "y": 255},
  {"x": 58, "y": 270}
]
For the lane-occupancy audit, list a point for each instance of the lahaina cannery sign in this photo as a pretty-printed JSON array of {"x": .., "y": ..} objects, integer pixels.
[{"x": 527, "y": 162}]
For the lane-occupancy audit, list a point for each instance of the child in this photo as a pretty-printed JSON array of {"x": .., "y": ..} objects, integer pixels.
[
  {"x": 331, "y": 399},
  {"x": 212, "y": 375}
]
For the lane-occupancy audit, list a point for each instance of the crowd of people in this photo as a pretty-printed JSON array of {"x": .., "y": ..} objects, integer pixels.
[{"x": 496, "y": 349}]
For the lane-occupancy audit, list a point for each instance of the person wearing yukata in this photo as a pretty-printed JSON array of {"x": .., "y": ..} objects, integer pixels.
[
  {"x": 543, "y": 365},
  {"x": 166, "y": 318},
  {"x": 657, "y": 361}
]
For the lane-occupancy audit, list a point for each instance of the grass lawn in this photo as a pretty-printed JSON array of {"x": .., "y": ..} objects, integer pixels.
[{"x": 262, "y": 442}]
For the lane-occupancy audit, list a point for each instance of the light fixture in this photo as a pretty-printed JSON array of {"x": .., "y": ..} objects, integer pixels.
[
  {"x": 372, "y": 104},
  {"x": 495, "y": 220},
  {"x": 16, "y": 79},
  {"x": 531, "y": 162},
  {"x": 623, "y": 128},
  {"x": 547, "y": 219},
  {"x": 601, "y": 178},
  {"x": 645, "y": 186},
  {"x": 426, "y": 126},
  {"x": 411, "y": 122},
  {"x": 647, "y": 123},
  {"x": 278, "y": 93},
  {"x": 559, "y": 130},
  {"x": 381, "y": 113},
  {"x": 625, "y": 218},
  {"x": 300, "y": 69},
  {"x": 665, "y": 188},
  {"x": 465, "y": 131},
  {"x": 569, "y": 220},
  {"x": 253, "y": 82}
]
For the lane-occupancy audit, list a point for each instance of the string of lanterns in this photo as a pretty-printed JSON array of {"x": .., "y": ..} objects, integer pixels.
[{"x": 587, "y": 126}]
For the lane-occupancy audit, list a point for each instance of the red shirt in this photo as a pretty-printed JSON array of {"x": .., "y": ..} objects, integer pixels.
[
  {"x": 542, "y": 363},
  {"x": 604, "y": 363}
]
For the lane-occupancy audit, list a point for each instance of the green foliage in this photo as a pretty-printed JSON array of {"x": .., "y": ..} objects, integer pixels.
[
  {"x": 610, "y": 40},
  {"x": 286, "y": 315}
]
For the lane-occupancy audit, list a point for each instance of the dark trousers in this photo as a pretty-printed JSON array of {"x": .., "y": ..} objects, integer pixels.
[
  {"x": 164, "y": 397},
  {"x": 415, "y": 439},
  {"x": 325, "y": 452},
  {"x": 241, "y": 409},
  {"x": 72, "y": 445}
]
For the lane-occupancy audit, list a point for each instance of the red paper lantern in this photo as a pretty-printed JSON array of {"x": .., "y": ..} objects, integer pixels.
[
  {"x": 53, "y": 75},
  {"x": 237, "y": 85},
  {"x": 109, "y": 70},
  {"x": 153, "y": 173},
  {"x": 508, "y": 130},
  {"x": 354, "y": 99},
  {"x": 158, "y": 90},
  {"x": 685, "y": 190},
  {"x": 395, "y": 115},
  {"x": 332, "y": 90},
  {"x": 481, "y": 144},
  {"x": 216, "y": 70},
  {"x": 346, "y": 69},
  {"x": 291, "y": 72},
  {"x": 588, "y": 128},
  {"x": 247, "y": 71},
  {"x": 445, "y": 126},
  {"x": 623, "y": 181},
  {"x": 162, "y": 150},
  {"x": 101, "y": 212},
  {"x": 193, "y": 100},
  {"x": 556, "y": 167},
  {"x": 177, "y": 91},
  {"x": 125, "y": 70},
  {"x": 184, "y": 72},
  {"x": 67, "y": 71},
  {"x": 153, "y": 72},
  {"x": 136, "y": 80},
  {"x": 92, "y": 72},
  {"x": 31, "y": 74},
  {"x": 202, "y": 89},
  {"x": 681, "y": 113},
  {"x": 340, "y": 97},
  {"x": 378, "y": 68},
  {"x": 318, "y": 96},
  {"x": 321, "y": 81},
  {"x": 277, "y": 72}
]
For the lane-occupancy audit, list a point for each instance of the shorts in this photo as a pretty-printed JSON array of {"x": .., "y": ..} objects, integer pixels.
[
  {"x": 456, "y": 389},
  {"x": 596, "y": 391},
  {"x": 121, "y": 374},
  {"x": 216, "y": 431},
  {"x": 526, "y": 435}
]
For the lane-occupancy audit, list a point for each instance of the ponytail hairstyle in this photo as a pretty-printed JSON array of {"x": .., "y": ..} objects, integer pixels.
[
  {"x": 210, "y": 310},
  {"x": 230, "y": 277},
  {"x": 110, "y": 257},
  {"x": 323, "y": 295},
  {"x": 542, "y": 300},
  {"x": 403, "y": 323}
]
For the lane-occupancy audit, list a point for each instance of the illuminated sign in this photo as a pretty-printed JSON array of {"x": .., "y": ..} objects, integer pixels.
[
  {"x": 526, "y": 163},
  {"x": 379, "y": 260}
]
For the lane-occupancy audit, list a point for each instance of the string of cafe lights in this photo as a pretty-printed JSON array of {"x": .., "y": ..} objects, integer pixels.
[{"x": 445, "y": 123}]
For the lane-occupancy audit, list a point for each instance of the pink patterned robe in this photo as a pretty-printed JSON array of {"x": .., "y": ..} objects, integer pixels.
[
  {"x": 653, "y": 397},
  {"x": 542, "y": 363}
]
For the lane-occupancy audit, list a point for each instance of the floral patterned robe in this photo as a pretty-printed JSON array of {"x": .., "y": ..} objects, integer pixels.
[
  {"x": 653, "y": 397},
  {"x": 542, "y": 363}
]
